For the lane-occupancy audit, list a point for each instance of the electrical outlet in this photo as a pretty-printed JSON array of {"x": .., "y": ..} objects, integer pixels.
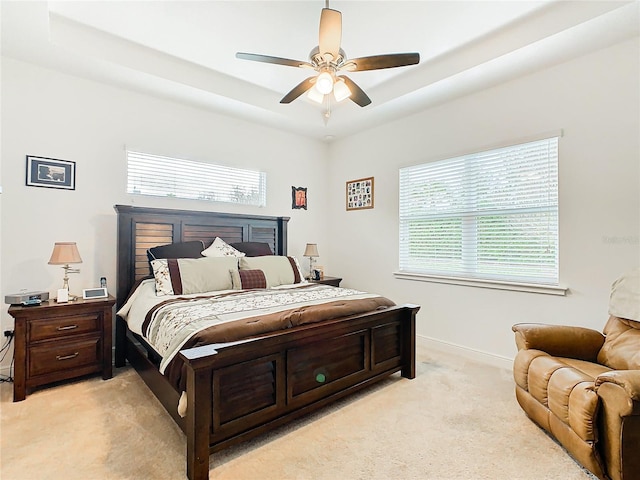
[{"x": 8, "y": 333}]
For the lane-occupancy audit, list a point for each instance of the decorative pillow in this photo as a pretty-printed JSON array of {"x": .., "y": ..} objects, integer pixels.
[
  {"x": 245, "y": 279},
  {"x": 176, "y": 250},
  {"x": 303, "y": 279},
  {"x": 625, "y": 296},
  {"x": 181, "y": 276},
  {"x": 278, "y": 270},
  {"x": 220, "y": 248},
  {"x": 253, "y": 249}
]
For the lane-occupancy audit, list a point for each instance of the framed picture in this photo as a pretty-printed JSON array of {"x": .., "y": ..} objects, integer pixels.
[
  {"x": 360, "y": 194},
  {"x": 51, "y": 173},
  {"x": 318, "y": 272},
  {"x": 299, "y": 197}
]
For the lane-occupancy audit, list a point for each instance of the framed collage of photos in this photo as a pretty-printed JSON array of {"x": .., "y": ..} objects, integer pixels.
[{"x": 360, "y": 194}]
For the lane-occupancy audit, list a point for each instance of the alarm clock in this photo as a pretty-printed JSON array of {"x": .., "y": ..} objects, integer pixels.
[{"x": 89, "y": 293}]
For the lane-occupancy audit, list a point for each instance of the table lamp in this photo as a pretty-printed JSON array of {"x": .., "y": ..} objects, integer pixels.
[
  {"x": 311, "y": 251},
  {"x": 65, "y": 253}
]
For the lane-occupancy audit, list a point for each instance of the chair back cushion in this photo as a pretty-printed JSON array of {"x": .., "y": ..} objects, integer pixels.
[{"x": 621, "y": 349}]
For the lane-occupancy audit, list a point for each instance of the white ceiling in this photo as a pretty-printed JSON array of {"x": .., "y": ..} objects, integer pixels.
[{"x": 185, "y": 50}]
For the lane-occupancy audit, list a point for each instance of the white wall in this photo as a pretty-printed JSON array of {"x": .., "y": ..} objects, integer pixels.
[
  {"x": 595, "y": 100},
  {"x": 49, "y": 114}
]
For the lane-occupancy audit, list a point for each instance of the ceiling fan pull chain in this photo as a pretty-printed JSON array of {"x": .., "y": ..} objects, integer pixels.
[{"x": 326, "y": 115}]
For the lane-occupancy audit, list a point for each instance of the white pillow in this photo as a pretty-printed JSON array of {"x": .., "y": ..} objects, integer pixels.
[
  {"x": 624, "y": 301},
  {"x": 220, "y": 248},
  {"x": 278, "y": 270},
  {"x": 181, "y": 276}
]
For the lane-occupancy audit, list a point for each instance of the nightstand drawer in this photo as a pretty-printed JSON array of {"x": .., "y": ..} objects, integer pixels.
[
  {"x": 67, "y": 355},
  {"x": 56, "y": 327}
]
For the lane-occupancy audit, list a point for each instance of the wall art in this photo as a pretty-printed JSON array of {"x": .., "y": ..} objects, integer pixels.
[
  {"x": 299, "y": 197},
  {"x": 51, "y": 173},
  {"x": 360, "y": 194}
]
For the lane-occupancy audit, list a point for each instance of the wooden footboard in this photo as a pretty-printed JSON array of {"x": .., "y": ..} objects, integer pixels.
[{"x": 240, "y": 390}]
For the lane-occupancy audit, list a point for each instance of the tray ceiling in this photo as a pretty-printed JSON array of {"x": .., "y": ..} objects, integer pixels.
[{"x": 185, "y": 50}]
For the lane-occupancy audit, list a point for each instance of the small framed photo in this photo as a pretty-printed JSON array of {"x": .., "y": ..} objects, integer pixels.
[
  {"x": 318, "y": 272},
  {"x": 299, "y": 197},
  {"x": 360, "y": 194},
  {"x": 51, "y": 173}
]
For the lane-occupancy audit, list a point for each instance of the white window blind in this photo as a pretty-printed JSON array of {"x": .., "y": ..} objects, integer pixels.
[
  {"x": 491, "y": 215},
  {"x": 174, "y": 177}
]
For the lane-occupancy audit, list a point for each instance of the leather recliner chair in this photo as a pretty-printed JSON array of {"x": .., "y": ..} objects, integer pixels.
[{"x": 583, "y": 386}]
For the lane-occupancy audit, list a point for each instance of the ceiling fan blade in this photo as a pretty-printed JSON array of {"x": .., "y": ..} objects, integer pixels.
[
  {"x": 357, "y": 94},
  {"x": 330, "y": 33},
  {"x": 377, "y": 62},
  {"x": 298, "y": 90},
  {"x": 268, "y": 59}
]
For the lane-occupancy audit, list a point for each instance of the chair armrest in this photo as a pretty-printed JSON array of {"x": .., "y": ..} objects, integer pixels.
[
  {"x": 559, "y": 340},
  {"x": 629, "y": 380}
]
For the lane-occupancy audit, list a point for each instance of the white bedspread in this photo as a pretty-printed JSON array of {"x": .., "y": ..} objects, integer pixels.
[{"x": 173, "y": 324}]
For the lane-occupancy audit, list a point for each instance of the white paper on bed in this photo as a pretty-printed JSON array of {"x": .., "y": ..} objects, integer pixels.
[{"x": 172, "y": 325}]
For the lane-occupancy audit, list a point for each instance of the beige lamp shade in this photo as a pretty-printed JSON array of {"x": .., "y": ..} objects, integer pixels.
[
  {"x": 65, "y": 253},
  {"x": 311, "y": 250}
]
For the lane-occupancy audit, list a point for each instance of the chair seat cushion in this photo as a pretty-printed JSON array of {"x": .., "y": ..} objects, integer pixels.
[{"x": 590, "y": 368}]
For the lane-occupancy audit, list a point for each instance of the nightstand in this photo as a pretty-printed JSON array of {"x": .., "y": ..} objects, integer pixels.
[
  {"x": 333, "y": 281},
  {"x": 58, "y": 341}
]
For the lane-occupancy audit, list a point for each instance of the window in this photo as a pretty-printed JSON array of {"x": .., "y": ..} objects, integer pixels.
[
  {"x": 174, "y": 177},
  {"x": 491, "y": 215}
]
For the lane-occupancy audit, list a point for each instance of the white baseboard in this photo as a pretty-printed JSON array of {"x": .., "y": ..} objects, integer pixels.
[{"x": 469, "y": 353}]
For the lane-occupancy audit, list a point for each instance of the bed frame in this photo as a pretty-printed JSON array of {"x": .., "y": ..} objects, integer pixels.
[{"x": 238, "y": 390}]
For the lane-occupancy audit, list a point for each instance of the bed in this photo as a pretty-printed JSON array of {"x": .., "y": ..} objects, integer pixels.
[{"x": 246, "y": 387}]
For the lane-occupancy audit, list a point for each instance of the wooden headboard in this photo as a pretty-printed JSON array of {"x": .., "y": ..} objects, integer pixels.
[{"x": 140, "y": 228}]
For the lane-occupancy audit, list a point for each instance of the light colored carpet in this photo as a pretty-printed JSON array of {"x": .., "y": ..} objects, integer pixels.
[{"x": 456, "y": 420}]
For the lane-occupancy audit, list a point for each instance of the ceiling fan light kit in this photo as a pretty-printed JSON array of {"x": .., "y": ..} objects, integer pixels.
[
  {"x": 341, "y": 91},
  {"x": 328, "y": 59},
  {"x": 315, "y": 95},
  {"x": 324, "y": 83}
]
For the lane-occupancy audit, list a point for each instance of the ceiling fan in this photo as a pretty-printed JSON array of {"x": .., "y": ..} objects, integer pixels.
[{"x": 328, "y": 59}]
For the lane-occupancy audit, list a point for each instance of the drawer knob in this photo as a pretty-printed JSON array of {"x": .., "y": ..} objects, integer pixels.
[
  {"x": 67, "y": 357},
  {"x": 68, "y": 327}
]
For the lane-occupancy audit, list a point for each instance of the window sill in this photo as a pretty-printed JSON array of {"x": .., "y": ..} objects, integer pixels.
[{"x": 495, "y": 284}]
